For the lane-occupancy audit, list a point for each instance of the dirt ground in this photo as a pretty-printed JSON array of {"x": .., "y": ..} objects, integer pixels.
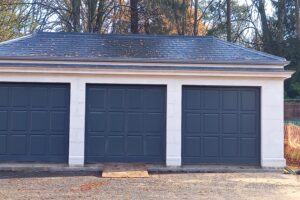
[{"x": 45, "y": 185}]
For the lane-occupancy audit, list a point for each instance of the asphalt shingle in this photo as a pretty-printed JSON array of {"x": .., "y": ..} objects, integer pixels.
[{"x": 133, "y": 48}]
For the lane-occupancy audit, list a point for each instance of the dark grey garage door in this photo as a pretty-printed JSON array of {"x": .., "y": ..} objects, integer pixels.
[
  {"x": 221, "y": 125},
  {"x": 125, "y": 124},
  {"x": 34, "y": 122}
]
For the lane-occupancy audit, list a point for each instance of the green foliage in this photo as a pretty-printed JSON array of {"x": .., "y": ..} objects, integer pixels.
[
  {"x": 216, "y": 17},
  {"x": 11, "y": 19},
  {"x": 287, "y": 47},
  {"x": 291, "y": 52}
]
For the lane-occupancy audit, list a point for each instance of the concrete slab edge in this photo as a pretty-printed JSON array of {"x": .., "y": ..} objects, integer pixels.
[
  {"x": 215, "y": 170},
  {"x": 206, "y": 169}
]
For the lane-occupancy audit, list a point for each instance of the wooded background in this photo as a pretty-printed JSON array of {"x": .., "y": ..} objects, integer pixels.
[{"x": 272, "y": 26}]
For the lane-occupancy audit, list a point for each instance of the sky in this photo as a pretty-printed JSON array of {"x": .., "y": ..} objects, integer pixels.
[{"x": 269, "y": 8}]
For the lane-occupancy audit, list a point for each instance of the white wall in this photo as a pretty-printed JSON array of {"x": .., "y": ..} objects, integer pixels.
[{"x": 271, "y": 106}]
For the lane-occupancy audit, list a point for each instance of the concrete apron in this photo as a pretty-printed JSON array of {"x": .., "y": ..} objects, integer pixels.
[
  {"x": 151, "y": 168},
  {"x": 125, "y": 171}
]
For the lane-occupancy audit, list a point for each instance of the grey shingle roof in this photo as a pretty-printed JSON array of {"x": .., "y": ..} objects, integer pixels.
[{"x": 133, "y": 48}]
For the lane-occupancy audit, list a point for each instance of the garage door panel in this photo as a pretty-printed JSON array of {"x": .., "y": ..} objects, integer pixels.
[
  {"x": 154, "y": 123},
  {"x": 17, "y": 144},
  {"x": 193, "y": 99},
  {"x": 154, "y": 99},
  {"x": 3, "y": 120},
  {"x": 116, "y": 122},
  {"x": 19, "y": 96},
  {"x": 58, "y": 98},
  {"x": 3, "y": 143},
  {"x": 58, "y": 121},
  {"x": 4, "y": 96},
  {"x": 96, "y": 146},
  {"x": 248, "y": 100},
  {"x": 116, "y": 99},
  {"x": 210, "y": 146},
  {"x": 19, "y": 120},
  {"x": 230, "y": 147},
  {"x": 134, "y": 98},
  {"x": 57, "y": 145},
  {"x": 97, "y": 122},
  {"x": 193, "y": 146},
  {"x": 230, "y": 100},
  {"x": 211, "y": 123},
  {"x": 115, "y": 145},
  {"x": 248, "y": 147},
  {"x": 229, "y": 129},
  {"x": 153, "y": 146},
  {"x": 37, "y": 122},
  {"x": 135, "y": 122},
  {"x": 193, "y": 123},
  {"x": 39, "y": 97},
  {"x": 248, "y": 123},
  {"x": 38, "y": 144},
  {"x": 97, "y": 98},
  {"x": 211, "y": 99},
  {"x": 230, "y": 123},
  {"x": 135, "y": 146}
]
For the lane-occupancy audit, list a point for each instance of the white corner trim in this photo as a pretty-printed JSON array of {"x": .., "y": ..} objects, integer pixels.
[
  {"x": 77, "y": 122},
  {"x": 173, "y": 127},
  {"x": 76, "y": 161},
  {"x": 273, "y": 162},
  {"x": 173, "y": 161}
]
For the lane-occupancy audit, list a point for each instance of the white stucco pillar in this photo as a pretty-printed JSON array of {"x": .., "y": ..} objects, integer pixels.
[
  {"x": 173, "y": 153},
  {"x": 77, "y": 123},
  {"x": 272, "y": 126}
]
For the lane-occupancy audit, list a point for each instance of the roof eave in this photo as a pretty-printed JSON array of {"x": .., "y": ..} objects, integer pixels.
[
  {"x": 139, "y": 60},
  {"x": 74, "y": 65}
]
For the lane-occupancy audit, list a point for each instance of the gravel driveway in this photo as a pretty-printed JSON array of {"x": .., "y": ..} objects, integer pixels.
[{"x": 43, "y": 185}]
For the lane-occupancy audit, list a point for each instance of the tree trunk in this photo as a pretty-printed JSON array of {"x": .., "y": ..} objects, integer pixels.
[
  {"x": 267, "y": 37},
  {"x": 91, "y": 10},
  {"x": 147, "y": 26},
  {"x": 281, "y": 19},
  {"x": 297, "y": 15},
  {"x": 100, "y": 16},
  {"x": 228, "y": 22},
  {"x": 115, "y": 10},
  {"x": 134, "y": 26},
  {"x": 196, "y": 18},
  {"x": 183, "y": 17},
  {"x": 75, "y": 16}
]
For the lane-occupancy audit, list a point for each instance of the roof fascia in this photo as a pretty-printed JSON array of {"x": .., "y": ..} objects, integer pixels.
[
  {"x": 138, "y": 60},
  {"x": 259, "y": 74},
  {"x": 44, "y": 63}
]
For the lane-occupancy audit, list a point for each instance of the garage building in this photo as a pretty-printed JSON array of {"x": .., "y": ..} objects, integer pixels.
[{"x": 79, "y": 98}]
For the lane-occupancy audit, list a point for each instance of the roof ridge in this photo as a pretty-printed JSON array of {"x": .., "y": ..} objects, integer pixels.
[
  {"x": 251, "y": 50},
  {"x": 127, "y": 35},
  {"x": 17, "y": 39}
]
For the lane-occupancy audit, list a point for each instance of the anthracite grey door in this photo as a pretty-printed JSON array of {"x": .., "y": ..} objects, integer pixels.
[
  {"x": 221, "y": 125},
  {"x": 34, "y": 122},
  {"x": 125, "y": 123}
]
